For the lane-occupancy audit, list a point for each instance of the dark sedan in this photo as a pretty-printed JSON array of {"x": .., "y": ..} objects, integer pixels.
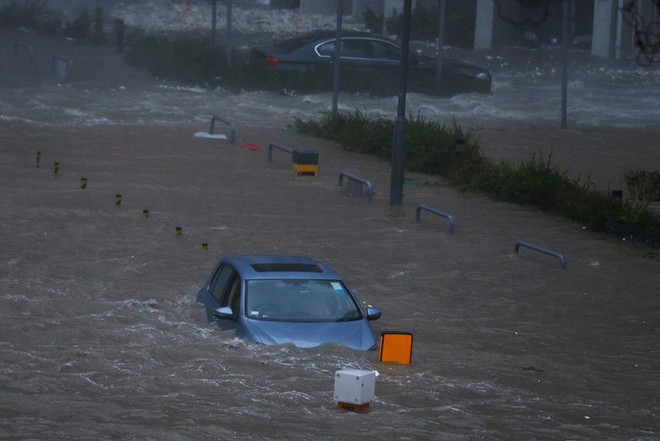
[{"x": 362, "y": 55}]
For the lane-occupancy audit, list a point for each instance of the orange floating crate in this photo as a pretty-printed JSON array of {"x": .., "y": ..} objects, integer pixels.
[{"x": 395, "y": 347}]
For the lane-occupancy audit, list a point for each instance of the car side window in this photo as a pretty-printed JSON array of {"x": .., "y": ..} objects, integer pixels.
[
  {"x": 383, "y": 51},
  {"x": 353, "y": 48},
  {"x": 220, "y": 282},
  {"x": 232, "y": 295},
  {"x": 327, "y": 49}
]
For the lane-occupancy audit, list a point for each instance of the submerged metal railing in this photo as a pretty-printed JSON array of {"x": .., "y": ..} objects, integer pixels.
[
  {"x": 278, "y": 147},
  {"x": 418, "y": 216},
  {"x": 27, "y": 48},
  {"x": 352, "y": 178},
  {"x": 232, "y": 128},
  {"x": 540, "y": 249},
  {"x": 62, "y": 66}
]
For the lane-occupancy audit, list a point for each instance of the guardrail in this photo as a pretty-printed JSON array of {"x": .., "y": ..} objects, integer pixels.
[
  {"x": 540, "y": 249},
  {"x": 62, "y": 66},
  {"x": 278, "y": 147},
  {"x": 28, "y": 49},
  {"x": 418, "y": 216},
  {"x": 232, "y": 128},
  {"x": 362, "y": 181}
]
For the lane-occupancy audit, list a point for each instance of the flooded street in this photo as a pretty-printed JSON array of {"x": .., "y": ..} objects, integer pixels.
[{"x": 101, "y": 337}]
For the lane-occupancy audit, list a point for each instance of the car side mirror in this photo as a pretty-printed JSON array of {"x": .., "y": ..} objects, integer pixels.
[
  {"x": 223, "y": 313},
  {"x": 373, "y": 313}
]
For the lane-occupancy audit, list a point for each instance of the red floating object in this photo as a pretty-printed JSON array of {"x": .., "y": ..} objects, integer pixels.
[{"x": 251, "y": 147}]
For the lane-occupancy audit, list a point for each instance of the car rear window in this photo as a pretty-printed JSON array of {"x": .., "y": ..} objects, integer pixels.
[{"x": 286, "y": 267}]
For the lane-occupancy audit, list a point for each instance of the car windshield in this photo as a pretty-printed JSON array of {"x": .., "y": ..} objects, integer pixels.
[{"x": 300, "y": 301}]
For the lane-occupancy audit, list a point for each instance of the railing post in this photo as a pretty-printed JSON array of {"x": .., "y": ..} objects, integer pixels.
[
  {"x": 61, "y": 66},
  {"x": 363, "y": 181},
  {"x": 428, "y": 208},
  {"x": 232, "y": 128},
  {"x": 531, "y": 246},
  {"x": 278, "y": 147},
  {"x": 27, "y": 47}
]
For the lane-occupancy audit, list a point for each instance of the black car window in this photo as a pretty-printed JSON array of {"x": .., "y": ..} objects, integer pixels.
[
  {"x": 327, "y": 49},
  {"x": 220, "y": 282},
  {"x": 353, "y": 48},
  {"x": 232, "y": 295},
  {"x": 382, "y": 50}
]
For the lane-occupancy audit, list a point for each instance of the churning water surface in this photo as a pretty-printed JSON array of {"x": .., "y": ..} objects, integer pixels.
[{"x": 101, "y": 337}]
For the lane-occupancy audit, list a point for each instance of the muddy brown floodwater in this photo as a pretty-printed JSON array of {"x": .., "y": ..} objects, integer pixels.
[{"x": 100, "y": 336}]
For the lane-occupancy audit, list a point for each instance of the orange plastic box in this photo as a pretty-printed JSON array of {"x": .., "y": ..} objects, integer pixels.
[{"x": 395, "y": 347}]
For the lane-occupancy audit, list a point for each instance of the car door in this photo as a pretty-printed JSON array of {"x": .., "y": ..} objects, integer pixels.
[{"x": 224, "y": 290}]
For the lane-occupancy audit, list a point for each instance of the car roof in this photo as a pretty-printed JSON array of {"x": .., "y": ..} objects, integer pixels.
[
  {"x": 299, "y": 41},
  {"x": 252, "y": 267}
]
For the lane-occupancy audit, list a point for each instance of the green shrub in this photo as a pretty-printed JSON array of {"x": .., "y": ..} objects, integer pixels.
[
  {"x": 81, "y": 27},
  {"x": 373, "y": 22},
  {"x": 450, "y": 152},
  {"x": 643, "y": 187},
  {"x": 188, "y": 59},
  {"x": 25, "y": 13}
]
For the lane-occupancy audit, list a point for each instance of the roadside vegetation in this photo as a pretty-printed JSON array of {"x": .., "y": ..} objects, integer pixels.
[
  {"x": 33, "y": 14},
  {"x": 446, "y": 150}
]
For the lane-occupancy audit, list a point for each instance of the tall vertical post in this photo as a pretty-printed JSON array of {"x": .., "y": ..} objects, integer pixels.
[
  {"x": 98, "y": 24},
  {"x": 230, "y": 38},
  {"x": 214, "y": 20},
  {"x": 440, "y": 41},
  {"x": 337, "y": 58},
  {"x": 564, "y": 63},
  {"x": 399, "y": 144}
]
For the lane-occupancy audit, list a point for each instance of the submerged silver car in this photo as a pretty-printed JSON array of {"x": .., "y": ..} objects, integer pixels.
[{"x": 286, "y": 300}]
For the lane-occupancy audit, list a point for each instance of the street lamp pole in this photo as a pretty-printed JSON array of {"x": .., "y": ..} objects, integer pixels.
[
  {"x": 399, "y": 143},
  {"x": 337, "y": 58}
]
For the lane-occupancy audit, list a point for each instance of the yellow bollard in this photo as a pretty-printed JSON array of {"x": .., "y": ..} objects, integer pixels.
[
  {"x": 117, "y": 199},
  {"x": 178, "y": 231},
  {"x": 205, "y": 246},
  {"x": 83, "y": 183},
  {"x": 145, "y": 214}
]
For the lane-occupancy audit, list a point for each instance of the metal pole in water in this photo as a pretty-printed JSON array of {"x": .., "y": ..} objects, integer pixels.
[
  {"x": 399, "y": 144},
  {"x": 230, "y": 38},
  {"x": 336, "y": 58},
  {"x": 564, "y": 67}
]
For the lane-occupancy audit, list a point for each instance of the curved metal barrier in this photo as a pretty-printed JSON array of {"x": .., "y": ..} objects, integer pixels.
[
  {"x": 232, "y": 128},
  {"x": 352, "y": 179},
  {"x": 531, "y": 246},
  {"x": 430, "y": 209},
  {"x": 278, "y": 147},
  {"x": 62, "y": 66},
  {"x": 26, "y": 48}
]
